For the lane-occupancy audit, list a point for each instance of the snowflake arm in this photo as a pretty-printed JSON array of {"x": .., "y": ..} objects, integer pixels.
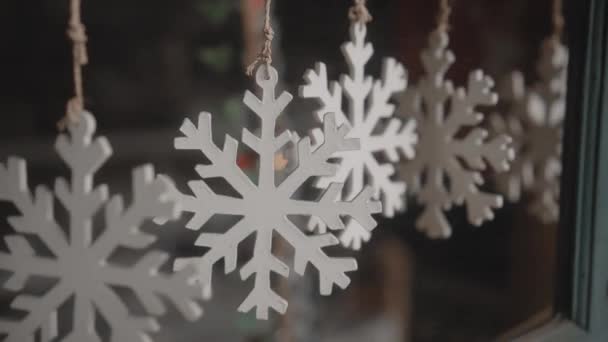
[
  {"x": 436, "y": 198},
  {"x": 331, "y": 270},
  {"x": 395, "y": 138},
  {"x": 313, "y": 161},
  {"x": 465, "y": 190},
  {"x": 263, "y": 263},
  {"x": 84, "y": 157},
  {"x": 545, "y": 204},
  {"x": 177, "y": 288},
  {"x": 433, "y": 89},
  {"x": 222, "y": 161},
  {"x": 221, "y": 246},
  {"x": 42, "y": 310},
  {"x": 433, "y": 222},
  {"x": 329, "y": 208},
  {"x": 463, "y": 102},
  {"x": 393, "y": 81},
  {"x": 356, "y": 85},
  {"x": 196, "y": 204},
  {"x": 222, "y": 164},
  {"x": 42, "y": 315},
  {"x": 25, "y": 263},
  {"x": 344, "y": 174},
  {"x": 328, "y": 96},
  {"x": 355, "y": 235},
  {"x": 389, "y": 191},
  {"x": 150, "y": 200},
  {"x": 37, "y": 215},
  {"x": 478, "y": 153},
  {"x": 125, "y": 327}
]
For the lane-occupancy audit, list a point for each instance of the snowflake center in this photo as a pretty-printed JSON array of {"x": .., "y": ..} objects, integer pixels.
[
  {"x": 544, "y": 141},
  {"x": 257, "y": 207},
  {"x": 433, "y": 137},
  {"x": 79, "y": 269}
]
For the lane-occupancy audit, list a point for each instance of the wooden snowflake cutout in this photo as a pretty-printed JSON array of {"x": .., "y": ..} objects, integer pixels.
[
  {"x": 534, "y": 118},
  {"x": 267, "y": 208},
  {"x": 79, "y": 262},
  {"x": 369, "y": 114},
  {"x": 453, "y": 149}
]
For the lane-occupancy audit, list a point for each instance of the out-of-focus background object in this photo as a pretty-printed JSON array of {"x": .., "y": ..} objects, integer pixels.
[{"x": 153, "y": 63}]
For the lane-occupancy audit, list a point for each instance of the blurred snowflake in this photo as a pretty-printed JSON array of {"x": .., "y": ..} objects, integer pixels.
[
  {"x": 534, "y": 117},
  {"x": 368, "y": 106},
  {"x": 452, "y": 150},
  {"x": 79, "y": 262}
]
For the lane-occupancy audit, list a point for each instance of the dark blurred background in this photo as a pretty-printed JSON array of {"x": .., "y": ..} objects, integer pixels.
[{"x": 153, "y": 63}]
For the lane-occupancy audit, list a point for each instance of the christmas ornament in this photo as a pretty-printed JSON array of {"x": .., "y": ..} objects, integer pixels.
[
  {"x": 369, "y": 114},
  {"x": 535, "y": 119},
  {"x": 265, "y": 207},
  {"x": 79, "y": 262},
  {"x": 453, "y": 149},
  {"x": 77, "y": 258}
]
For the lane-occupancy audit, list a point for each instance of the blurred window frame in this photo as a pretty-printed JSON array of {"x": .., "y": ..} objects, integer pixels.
[{"x": 581, "y": 303}]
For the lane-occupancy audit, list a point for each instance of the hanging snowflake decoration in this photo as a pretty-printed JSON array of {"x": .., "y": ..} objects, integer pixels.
[
  {"x": 369, "y": 107},
  {"x": 535, "y": 119},
  {"x": 266, "y": 208},
  {"x": 452, "y": 150},
  {"x": 79, "y": 262}
]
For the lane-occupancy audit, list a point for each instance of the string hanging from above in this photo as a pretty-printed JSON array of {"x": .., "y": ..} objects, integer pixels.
[
  {"x": 77, "y": 34},
  {"x": 453, "y": 150},
  {"x": 265, "y": 55},
  {"x": 365, "y": 106},
  {"x": 359, "y": 12},
  {"x": 443, "y": 16}
]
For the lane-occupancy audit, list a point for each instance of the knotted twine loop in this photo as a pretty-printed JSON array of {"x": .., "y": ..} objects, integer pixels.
[
  {"x": 265, "y": 55},
  {"x": 359, "y": 12},
  {"x": 77, "y": 34},
  {"x": 557, "y": 21},
  {"x": 443, "y": 17}
]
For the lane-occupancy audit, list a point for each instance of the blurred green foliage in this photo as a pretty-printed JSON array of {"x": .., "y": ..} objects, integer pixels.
[
  {"x": 217, "y": 58},
  {"x": 216, "y": 11}
]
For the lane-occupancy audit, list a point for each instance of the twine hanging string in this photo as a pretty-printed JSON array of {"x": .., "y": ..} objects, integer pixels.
[
  {"x": 557, "y": 20},
  {"x": 265, "y": 55},
  {"x": 359, "y": 12},
  {"x": 77, "y": 34},
  {"x": 443, "y": 17}
]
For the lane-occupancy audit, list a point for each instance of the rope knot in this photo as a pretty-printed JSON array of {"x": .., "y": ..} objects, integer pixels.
[
  {"x": 443, "y": 18},
  {"x": 268, "y": 33},
  {"x": 264, "y": 58},
  {"x": 558, "y": 20},
  {"x": 359, "y": 12},
  {"x": 265, "y": 55},
  {"x": 73, "y": 109},
  {"x": 78, "y": 35}
]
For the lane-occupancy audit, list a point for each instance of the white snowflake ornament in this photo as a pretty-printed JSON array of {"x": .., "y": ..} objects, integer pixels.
[
  {"x": 534, "y": 118},
  {"x": 265, "y": 208},
  {"x": 79, "y": 261},
  {"x": 369, "y": 114},
  {"x": 453, "y": 149}
]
